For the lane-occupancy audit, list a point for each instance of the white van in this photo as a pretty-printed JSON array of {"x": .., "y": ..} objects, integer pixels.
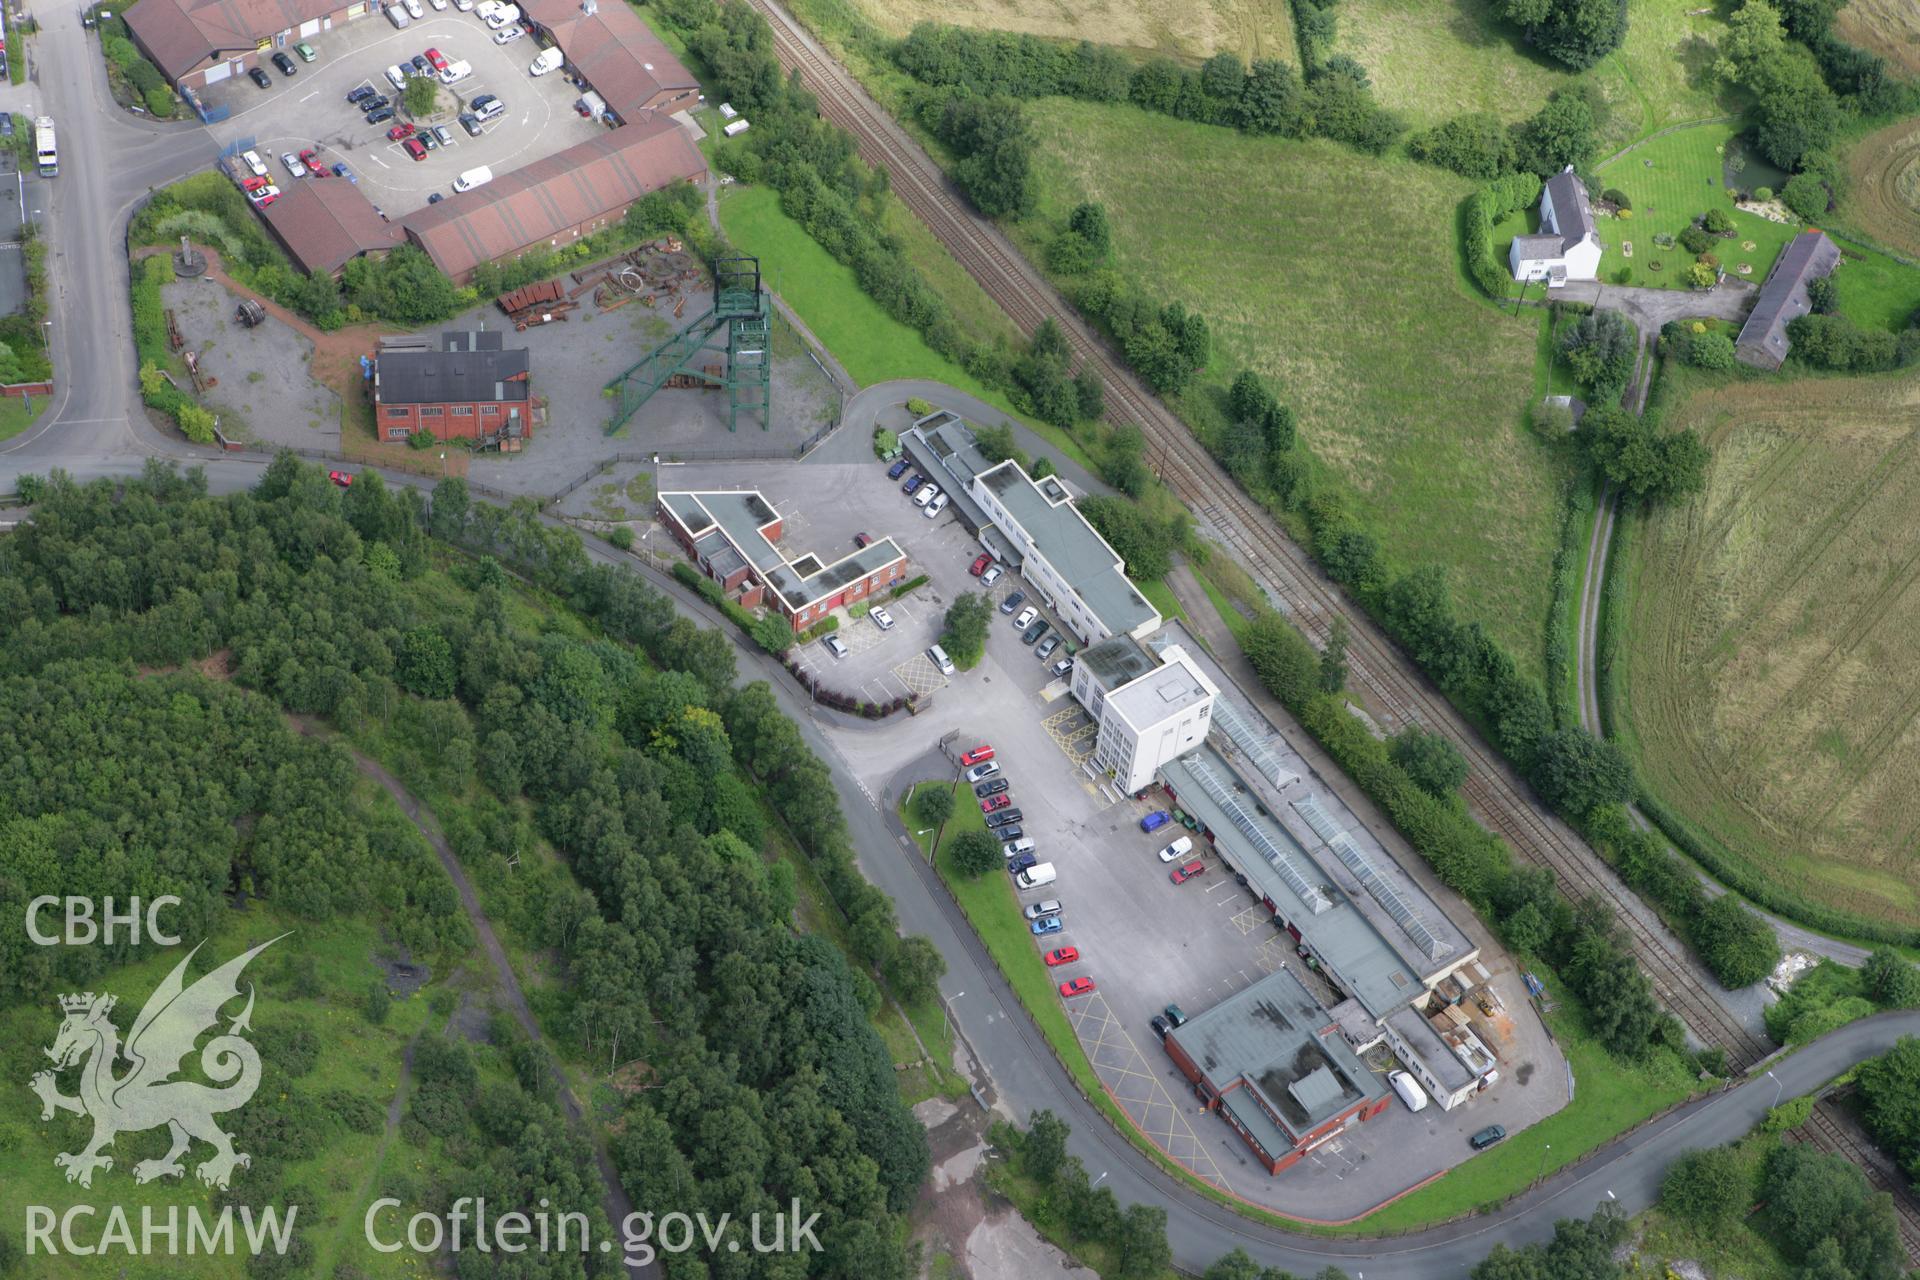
[
  {"x": 1178, "y": 849},
  {"x": 1014, "y": 848},
  {"x": 397, "y": 78},
  {"x": 456, "y": 72},
  {"x": 472, "y": 178},
  {"x": 398, "y": 17},
  {"x": 549, "y": 60},
  {"x": 1410, "y": 1092},
  {"x": 939, "y": 658},
  {"x": 1040, "y": 873}
]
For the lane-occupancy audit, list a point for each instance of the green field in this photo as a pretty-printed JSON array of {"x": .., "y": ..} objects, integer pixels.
[
  {"x": 1672, "y": 180},
  {"x": 1192, "y": 32},
  {"x": 1336, "y": 277},
  {"x": 1432, "y": 59},
  {"x": 1769, "y": 677}
]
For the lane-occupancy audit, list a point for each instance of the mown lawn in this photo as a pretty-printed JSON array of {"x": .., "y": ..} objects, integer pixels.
[
  {"x": 16, "y": 417},
  {"x": 1431, "y": 60},
  {"x": 1335, "y": 276}
]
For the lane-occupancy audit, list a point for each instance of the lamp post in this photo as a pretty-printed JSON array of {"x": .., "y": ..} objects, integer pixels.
[
  {"x": 1541, "y": 1172},
  {"x": 1778, "y": 1087}
]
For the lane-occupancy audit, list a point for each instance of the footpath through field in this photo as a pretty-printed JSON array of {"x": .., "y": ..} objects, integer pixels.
[{"x": 1396, "y": 692}]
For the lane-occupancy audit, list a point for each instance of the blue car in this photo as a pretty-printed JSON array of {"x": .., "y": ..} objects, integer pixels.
[
  {"x": 914, "y": 481},
  {"x": 1045, "y": 925},
  {"x": 897, "y": 470},
  {"x": 1155, "y": 820},
  {"x": 341, "y": 171},
  {"x": 1021, "y": 863}
]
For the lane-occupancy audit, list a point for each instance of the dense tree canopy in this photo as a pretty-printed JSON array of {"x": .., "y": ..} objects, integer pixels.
[{"x": 1576, "y": 32}]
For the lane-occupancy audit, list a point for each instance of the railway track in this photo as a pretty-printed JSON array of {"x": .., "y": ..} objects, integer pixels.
[
  {"x": 1387, "y": 679},
  {"x": 1826, "y": 1133}
]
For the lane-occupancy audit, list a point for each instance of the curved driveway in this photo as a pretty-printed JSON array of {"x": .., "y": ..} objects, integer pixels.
[{"x": 111, "y": 162}]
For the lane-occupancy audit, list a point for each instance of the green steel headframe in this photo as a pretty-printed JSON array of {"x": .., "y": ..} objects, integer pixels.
[{"x": 739, "y": 318}]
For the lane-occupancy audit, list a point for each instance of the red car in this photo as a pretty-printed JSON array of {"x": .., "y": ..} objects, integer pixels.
[
  {"x": 415, "y": 148},
  {"x": 254, "y": 184},
  {"x": 994, "y": 803},
  {"x": 1183, "y": 874},
  {"x": 1076, "y": 986},
  {"x": 341, "y": 478},
  {"x": 399, "y": 131},
  {"x": 435, "y": 60},
  {"x": 311, "y": 159},
  {"x": 980, "y": 563},
  {"x": 1062, "y": 955},
  {"x": 979, "y": 755}
]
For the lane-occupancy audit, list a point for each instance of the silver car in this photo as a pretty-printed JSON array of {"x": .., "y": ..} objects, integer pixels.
[
  {"x": 835, "y": 646},
  {"x": 882, "y": 619}
]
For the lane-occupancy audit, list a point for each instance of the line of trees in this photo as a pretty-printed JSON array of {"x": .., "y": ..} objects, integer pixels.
[
  {"x": 1566, "y": 131},
  {"x": 1333, "y": 100}
]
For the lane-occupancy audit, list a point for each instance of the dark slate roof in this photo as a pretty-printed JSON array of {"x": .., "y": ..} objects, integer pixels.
[
  {"x": 1534, "y": 247},
  {"x": 1572, "y": 214},
  {"x": 1763, "y": 338},
  {"x": 470, "y": 367}
]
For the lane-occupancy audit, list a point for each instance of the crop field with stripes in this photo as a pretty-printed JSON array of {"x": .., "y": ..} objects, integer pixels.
[{"x": 1771, "y": 665}]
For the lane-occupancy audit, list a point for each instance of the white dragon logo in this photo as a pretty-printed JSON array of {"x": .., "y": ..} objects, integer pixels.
[{"x": 147, "y": 1096}]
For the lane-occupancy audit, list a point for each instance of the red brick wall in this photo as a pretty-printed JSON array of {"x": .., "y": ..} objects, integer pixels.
[{"x": 446, "y": 421}]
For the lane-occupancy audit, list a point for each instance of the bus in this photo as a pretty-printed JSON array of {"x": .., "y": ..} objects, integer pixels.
[{"x": 43, "y": 145}]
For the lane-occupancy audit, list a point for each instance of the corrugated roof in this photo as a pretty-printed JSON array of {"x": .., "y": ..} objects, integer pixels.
[
  {"x": 184, "y": 35},
  {"x": 1763, "y": 338},
  {"x": 324, "y": 223},
  {"x": 620, "y": 56},
  {"x": 451, "y": 376},
  {"x": 537, "y": 203}
]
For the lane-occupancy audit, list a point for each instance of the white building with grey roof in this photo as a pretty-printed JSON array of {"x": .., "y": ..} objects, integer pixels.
[{"x": 1567, "y": 246}]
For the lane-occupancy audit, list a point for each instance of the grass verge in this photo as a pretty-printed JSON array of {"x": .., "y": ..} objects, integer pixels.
[{"x": 16, "y": 417}]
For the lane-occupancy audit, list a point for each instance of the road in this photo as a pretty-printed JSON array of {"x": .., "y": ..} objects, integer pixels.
[
  {"x": 1396, "y": 692},
  {"x": 111, "y": 161}
]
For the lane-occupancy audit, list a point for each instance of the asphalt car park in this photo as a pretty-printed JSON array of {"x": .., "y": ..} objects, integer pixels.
[{"x": 310, "y": 109}]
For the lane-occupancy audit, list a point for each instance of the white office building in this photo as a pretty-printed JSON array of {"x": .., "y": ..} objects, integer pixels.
[{"x": 1149, "y": 713}]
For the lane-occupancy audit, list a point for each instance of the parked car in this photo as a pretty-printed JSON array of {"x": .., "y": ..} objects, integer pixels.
[
  {"x": 913, "y": 482},
  {"x": 507, "y": 35},
  {"x": 980, "y": 772},
  {"x": 360, "y": 93},
  {"x": 255, "y": 165},
  {"x": 1013, "y": 601},
  {"x": 486, "y": 9},
  {"x": 435, "y": 198},
  {"x": 311, "y": 159},
  {"x": 1487, "y": 1137},
  {"x": 993, "y": 804},
  {"x": 1076, "y": 986},
  {"x": 420, "y": 64},
  {"x": 1178, "y": 849},
  {"x": 980, "y": 563},
  {"x": 898, "y": 469},
  {"x": 1009, "y": 836},
  {"x": 1155, "y": 820},
  {"x": 415, "y": 148},
  {"x": 1035, "y": 631},
  {"x": 340, "y": 169},
  {"x": 1160, "y": 1025},
  {"x": 1176, "y": 1016},
  {"x": 935, "y": 507},
  {"x": 976, "y": 755},
  {"x": 1045, "y": 924},
  {"x": 502, "y": 16},
  {"x": 305, "y": 51},
  {"x": 881, "y": 618},
  {"x": 1020, "y": 862},
  {"x": 992, "y": 787},
  {"x": 835, "y": 646},
  {"x": 1060, "y": 669},
  {"x": 260, "y": 78},
  {"x": 444, "y": 134},
  {"x": 255, "y": 184},
  {"x": 436, "y": 59},
  {"x": 1047, "y": 647},
  {"x": 285, "y": 64},
  {"x": 399, "y": 131},
  {"x": 341, "y": 478},
  {"x": 1004, "y": 818},
  {"x": 414, "y": 10},
  {"x": 991, "y": 576},
  {"x": 1180, "y": 875},
  {"x": 924, "y": 494},
  {"x": 487, "y": 106},
  {"x": 379, "y": 115},
  {"x": 471, "y": 123},
  {"x": 264, "y": 195},
  {"x": 1062, "y": 955},
  {"x": 1025, "y": 620},
  {"x": 427, "y": 139},
  {"x": 1046, "y": 907},
  {"x": 375, "y": 102},
  {"x": 396, "y": 75},
  {"x": 293, "y": 165}
]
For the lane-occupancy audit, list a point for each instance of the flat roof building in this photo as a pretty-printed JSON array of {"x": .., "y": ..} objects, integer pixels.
[
  {"x": 733, "y": 535},
  {"x": 1269, "y": 1059},
  {"x": 1149, "y": 711}
]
